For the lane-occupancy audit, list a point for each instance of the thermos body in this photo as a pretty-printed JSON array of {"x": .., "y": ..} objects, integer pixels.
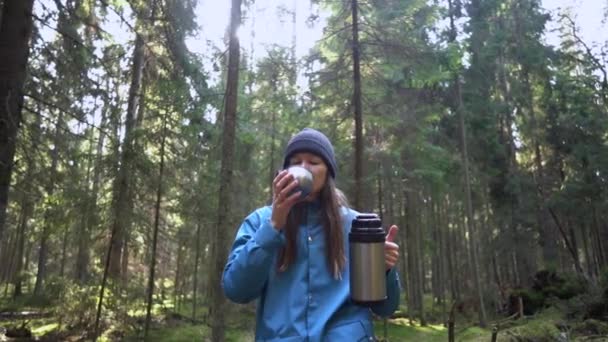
[{"x": 367, "y": 268}]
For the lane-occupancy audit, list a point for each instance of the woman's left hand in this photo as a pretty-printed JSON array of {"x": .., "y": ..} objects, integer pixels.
[{"x": 391, "y": 249}]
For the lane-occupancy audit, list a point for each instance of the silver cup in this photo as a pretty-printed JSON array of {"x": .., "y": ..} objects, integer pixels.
[{"x": 304, "y": 178}]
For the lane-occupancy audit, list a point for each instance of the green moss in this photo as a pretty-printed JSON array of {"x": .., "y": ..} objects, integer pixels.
[
  {"x": 180, "y": 333},
  {"x": 542, "y": 327},
  {"x": 400, "y": 330},
  {"x": 474, "y": 334},
  {"x": 591, "y": 327},
  {"x": 44, "y": 329}
]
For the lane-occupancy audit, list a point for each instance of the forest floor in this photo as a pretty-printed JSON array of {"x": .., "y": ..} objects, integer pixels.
[{"x": 168, "y": 326}]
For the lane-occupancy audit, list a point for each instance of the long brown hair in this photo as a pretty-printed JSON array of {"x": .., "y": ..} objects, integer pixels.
[{"x": 331, "y": 200}]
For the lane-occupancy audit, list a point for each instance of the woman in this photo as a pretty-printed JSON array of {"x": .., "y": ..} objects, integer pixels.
[{"x": 293, "y": 256}]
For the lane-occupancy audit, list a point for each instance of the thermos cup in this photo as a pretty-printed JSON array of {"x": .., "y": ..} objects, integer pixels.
[
  {"x": 367, "y": 268},
  {"x": 304, "y": 177}
]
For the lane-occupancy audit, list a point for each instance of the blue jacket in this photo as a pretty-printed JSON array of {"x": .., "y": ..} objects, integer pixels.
[{"x": 304, "y": 303}]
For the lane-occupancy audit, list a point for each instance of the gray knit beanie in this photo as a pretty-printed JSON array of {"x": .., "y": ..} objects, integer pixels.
[{"x": 312, "y": 141}]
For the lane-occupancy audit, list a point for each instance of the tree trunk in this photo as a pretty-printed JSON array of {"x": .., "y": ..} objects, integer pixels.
[
  {"x": 220, "y": 237},
  {"x": 178, "y": 275},
  {"x": 122, "y": 197},
  {"x": 419, "y": 260},
  {"x": 358, "y": 202},
  {"x": 380, "y": 205},
  {"x": 470, "y": 221},
  {"x": 64, "y": 248},
  {"x": 159, "y": 193},
  {"x": 90, "y": 215},
  {"x": 48, "y": 220},
  {"x": 122, "y": 201},
  {"x": 27, "y": 204},
  {"x": 28, "y": 209},
  {"x": 9, "y": 255},
  {"x": 272, "y": 166},
  {"x": 407, "y": 257},
  {"x": 597, "y": 236},
  {"x": 197, "y": 246},
  {"x": 15, "y": 29},
  {"x": 548, "y": 245}
]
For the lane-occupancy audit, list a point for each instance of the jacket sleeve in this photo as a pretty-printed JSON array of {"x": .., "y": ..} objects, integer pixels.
[
  {"x": 251, "y": 258},
  {"x": 393, "y": 291}
]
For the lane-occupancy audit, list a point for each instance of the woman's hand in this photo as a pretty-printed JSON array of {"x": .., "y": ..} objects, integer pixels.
[
  {"x": 282, "y": 202},
  {"x": 391, "y": 249}
]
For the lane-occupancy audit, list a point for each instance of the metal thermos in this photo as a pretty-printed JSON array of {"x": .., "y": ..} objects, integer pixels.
[{"x": 367, "y": 265}]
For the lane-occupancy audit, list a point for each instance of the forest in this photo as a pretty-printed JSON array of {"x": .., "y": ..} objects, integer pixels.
[{"x": 128, "y": 159}]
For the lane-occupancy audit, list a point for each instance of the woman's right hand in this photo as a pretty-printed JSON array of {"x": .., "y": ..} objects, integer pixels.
[{"x": 282, "y": 202}]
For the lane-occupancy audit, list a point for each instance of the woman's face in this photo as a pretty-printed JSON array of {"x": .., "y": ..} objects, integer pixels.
[{"x": 316, "y": 166}]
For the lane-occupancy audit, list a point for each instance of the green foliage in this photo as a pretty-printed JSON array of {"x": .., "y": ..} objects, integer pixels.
[
  {"x": 547, "y": 286},
  {"x": 400, "y": 330},
  {"x": 75, "y": 305},
  {"x": 591, "y": 327},
  {"x": 532, "y": 331}
]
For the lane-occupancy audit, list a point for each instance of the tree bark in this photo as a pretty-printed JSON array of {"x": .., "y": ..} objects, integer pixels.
[
  {"x": 159, "y": 193},
  {"x": 28, "y": 209},
  {"x": 195, "y": 274},
  {"x": 219, "y": 246},
  {"x": 178, "y": 275},
  {"x": 48, "y": 219},
  {"x": 358, "y": 201},
  {"x": 15, "y": 30},
  {"x": 419, "y": 260},
  {"x": 122, "y": 202},
  {"x": 470, "y": 220},
  {"x": 90, "y": 215},
  {"x": 27, "y": 203}
]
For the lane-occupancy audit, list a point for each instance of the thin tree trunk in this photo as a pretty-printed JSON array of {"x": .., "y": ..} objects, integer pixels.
[
  {"x": 588, "y": 255},
  {"x": 15, "y": 29},
  {"x": 64, "y": 247},
  {"x": 28, "y": 209},
  {"x": 602, "y": 257},
  {"x": 178, "y": 274},
  {"x": 159, "y": 193},
  {"x": 358, "y": 201},
  {"x": 419, "y": 259},
  {"x": 122, "y": 202},
  {"x": 470, "y": 222},
  {"x": 90, "y": 216},
  {"x": 455, "y": 294},
  {"x": 272, "y": 167},
  {"x": 220, "y": 239},
  {"x": 121, "y": 185},
  {"x": 195, "y": 275},
  {"x": 380, "y": 192},
  {"x": 407, "y": 257},
  {"x": 124, "y": 260},
  {"x": 50, "y": 190}
]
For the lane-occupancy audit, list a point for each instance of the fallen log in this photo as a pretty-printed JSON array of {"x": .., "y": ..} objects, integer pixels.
[{"x": 12, "y": 315}]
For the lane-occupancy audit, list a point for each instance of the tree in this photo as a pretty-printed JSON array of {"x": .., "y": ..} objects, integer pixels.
[
  {"x": 219, "y": 253},
  {"x": 357, "y": 107},
  {"x": 470, "y": 220},
  {"x": 122, "y": 201},
  {"x": 15, "y": 30}
]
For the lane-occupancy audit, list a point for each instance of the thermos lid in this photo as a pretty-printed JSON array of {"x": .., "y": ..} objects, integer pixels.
[
  {"x": 367, "y": 221},
  {"x": 366, "y": 227}
]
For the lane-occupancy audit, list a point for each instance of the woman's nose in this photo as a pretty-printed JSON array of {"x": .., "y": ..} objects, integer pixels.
[{"x": 304, "y": 164}]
